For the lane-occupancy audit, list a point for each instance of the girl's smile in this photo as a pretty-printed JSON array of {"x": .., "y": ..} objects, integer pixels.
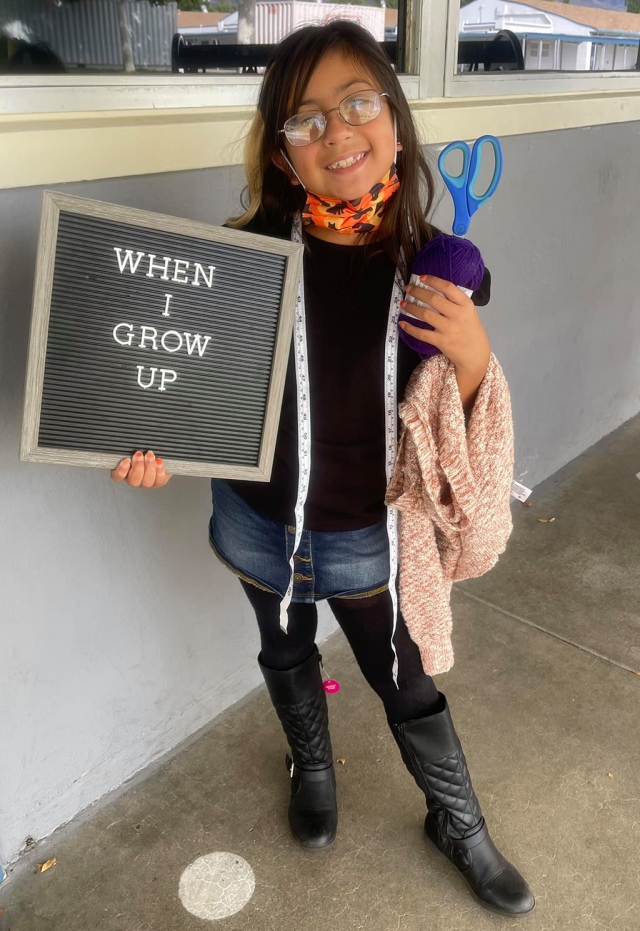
[{"x": 347, "y": 163}]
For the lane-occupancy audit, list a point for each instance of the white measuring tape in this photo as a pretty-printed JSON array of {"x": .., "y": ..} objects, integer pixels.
[
  {"x": 304, "y": 423},
  {"x": 304, "y": 435}
]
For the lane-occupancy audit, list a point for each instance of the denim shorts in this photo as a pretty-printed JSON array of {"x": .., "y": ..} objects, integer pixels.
[{"x": 349, "y": 564}]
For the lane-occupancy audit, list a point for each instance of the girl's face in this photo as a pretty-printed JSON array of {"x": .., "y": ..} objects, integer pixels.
[{"x": 334, "y": 78}]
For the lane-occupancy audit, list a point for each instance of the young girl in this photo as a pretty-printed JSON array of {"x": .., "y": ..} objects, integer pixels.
[{"x": 333, "y": 161}]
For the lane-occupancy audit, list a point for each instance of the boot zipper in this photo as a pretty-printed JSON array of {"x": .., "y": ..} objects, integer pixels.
[{"x": 414, "y": 762}]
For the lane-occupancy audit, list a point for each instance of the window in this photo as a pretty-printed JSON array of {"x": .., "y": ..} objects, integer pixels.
[
  {"x": 88, "y": 55},
  {"x": 157, "y": 38},
  {"x": 545, "y": 35}
]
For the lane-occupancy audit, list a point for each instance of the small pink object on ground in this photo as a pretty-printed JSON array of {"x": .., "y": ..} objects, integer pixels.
[{"x": 331, "y": 686}]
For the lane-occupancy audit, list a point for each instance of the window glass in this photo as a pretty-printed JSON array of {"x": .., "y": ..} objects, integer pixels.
[
  {"x": 186, "y": 37},
  {"x": 544, "y": 35}
]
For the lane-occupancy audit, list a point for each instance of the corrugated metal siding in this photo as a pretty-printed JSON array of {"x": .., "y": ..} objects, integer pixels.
[
  {"x": 369, "y": 17},
  {"x": 273, "y": 22},
  {"x": 87, "y": 33},
  {"x": 276, "y": 20}
]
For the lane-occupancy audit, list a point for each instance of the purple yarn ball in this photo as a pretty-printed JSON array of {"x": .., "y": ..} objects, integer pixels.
[{"x": 453, "y": 259}]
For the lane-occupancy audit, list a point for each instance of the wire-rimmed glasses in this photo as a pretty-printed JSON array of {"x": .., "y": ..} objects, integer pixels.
[{"x": 356, "y": 109}]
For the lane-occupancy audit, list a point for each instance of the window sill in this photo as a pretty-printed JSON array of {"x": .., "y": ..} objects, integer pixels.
[{"x": 87, "y": 145}]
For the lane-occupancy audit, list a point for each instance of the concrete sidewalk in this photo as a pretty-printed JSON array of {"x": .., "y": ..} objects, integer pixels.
[{"x": 546, "y": 703}]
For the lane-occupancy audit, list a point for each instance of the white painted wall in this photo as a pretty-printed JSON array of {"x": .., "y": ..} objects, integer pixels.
[
  {"x": 120, "y": 632},
  {"x": 583, "y": 56}
]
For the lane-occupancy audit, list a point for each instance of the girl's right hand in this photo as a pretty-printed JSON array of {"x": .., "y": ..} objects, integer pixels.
[{"x": 141, "y": 471}]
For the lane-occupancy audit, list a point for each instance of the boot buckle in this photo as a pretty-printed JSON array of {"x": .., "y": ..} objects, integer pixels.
[{"x": 290, "y": 765}]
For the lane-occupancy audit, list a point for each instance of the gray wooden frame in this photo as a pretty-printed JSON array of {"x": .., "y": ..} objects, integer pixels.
[{"x": 53, "y": 203}]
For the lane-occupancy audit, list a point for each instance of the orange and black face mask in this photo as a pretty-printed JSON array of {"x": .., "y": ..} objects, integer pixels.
[{"x": 351, "y": 216}]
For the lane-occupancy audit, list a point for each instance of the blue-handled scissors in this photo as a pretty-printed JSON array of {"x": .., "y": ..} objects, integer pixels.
[{"x": 461, "y": 186}]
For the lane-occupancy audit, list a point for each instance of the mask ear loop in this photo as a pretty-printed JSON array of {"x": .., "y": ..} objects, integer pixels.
[
  {"x": 284, "y": 154},
  {"x": 395, "y": 141}
]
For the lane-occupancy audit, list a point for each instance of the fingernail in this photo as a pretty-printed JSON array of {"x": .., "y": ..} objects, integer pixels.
[
  {"x": 139, "y": 456},
  {"x": 403, "y": 303},
  {"x": 125, "y": 462},
  {"x": 150, "y": 455},
  {"x": 159, "y": 462}
]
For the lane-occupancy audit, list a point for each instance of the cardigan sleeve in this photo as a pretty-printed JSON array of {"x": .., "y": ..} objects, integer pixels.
[{"x": 459, "y": 477}]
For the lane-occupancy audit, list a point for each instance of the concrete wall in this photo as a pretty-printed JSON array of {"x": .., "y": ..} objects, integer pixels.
[{"x": 120, "y": 633}]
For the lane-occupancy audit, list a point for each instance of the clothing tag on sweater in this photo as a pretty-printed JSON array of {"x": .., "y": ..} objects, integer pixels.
[{"x": 519, "y": 491}]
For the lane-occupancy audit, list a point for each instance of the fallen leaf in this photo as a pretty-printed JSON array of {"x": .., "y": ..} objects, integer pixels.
[
  {"x": 610, "y": 775},
  {"x": 635, "y": 673},
  {"x": 546, "y": 520},
  {"x": 341, "y": 760},
  {"x": 1, "y": 911},
  {"x": 46, "y": 866},
  {"x": 527, "y": 504}
]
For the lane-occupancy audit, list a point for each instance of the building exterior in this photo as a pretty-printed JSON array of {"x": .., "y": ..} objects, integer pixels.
[
  {"x": 559, "y": 36},
  {"x": 87, "y": 34},
  {"x": 273, "y": 21}
]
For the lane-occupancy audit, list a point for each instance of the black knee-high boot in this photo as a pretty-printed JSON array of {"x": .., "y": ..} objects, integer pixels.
[
  {"x": 301, "y": 704},
  {"x": 432, "y": 753}
]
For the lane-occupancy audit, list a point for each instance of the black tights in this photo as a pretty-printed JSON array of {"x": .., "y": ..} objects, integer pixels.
[{"x": 367, "y": 625}]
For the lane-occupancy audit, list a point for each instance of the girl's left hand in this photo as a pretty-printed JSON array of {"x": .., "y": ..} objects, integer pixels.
[{"x": 459, "y": 333}]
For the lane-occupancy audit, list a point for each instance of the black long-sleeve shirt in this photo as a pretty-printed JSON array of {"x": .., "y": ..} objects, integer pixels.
[{"x": 347, "y": 297}]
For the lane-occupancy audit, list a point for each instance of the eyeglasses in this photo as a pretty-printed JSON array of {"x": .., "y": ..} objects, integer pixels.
[{"x": 356, "y": 109}]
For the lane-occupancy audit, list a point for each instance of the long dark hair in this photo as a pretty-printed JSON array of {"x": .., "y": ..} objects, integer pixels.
[{"x": 269, "y": 189}]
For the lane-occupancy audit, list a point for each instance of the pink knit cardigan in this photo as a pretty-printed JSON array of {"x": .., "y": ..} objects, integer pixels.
[{"x": 452, "y": 486}]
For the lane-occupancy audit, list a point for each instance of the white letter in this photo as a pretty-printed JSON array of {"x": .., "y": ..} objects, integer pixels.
[
  {"x": 127, "y": 340},
  {"x": 165, "y": 312},
  {"x": 153, "y": 375},
  {"x": 143, "y": 336},
  {"x": 127, "y": 259},
  {"x": 196, "y": 344},
  {"x": 209, "y": 280},
  {"x": 177, "y": 270},
  {"x": 164, "y": 276},
  {"x": 169, "y": 333},
  {"x": 165, "y": 377}
]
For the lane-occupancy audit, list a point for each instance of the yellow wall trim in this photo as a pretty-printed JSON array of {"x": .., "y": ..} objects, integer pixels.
[{"x": 53, "y": 148}]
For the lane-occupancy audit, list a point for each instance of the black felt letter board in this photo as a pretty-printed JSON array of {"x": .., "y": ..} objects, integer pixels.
[{"x": 157, "y": 334}]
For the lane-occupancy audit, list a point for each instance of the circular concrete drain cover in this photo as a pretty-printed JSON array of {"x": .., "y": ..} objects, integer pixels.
[{"x": 216, "y": 886}]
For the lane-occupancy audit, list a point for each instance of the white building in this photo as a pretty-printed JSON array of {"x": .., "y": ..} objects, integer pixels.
[
  {"x": 558, "y": 36},
  {"x": 273, "y": 21}
]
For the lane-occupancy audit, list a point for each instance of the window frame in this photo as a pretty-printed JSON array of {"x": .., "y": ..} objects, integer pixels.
[
  {"x": 502, "y": 84},
  {"x": 430, "y": 55}
]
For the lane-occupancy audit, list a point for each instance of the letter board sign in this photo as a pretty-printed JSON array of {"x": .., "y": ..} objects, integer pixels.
[{"x": 155, "y": 332}]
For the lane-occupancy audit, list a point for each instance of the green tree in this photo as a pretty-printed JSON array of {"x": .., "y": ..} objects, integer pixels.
[
  {"x": 192, "y": 5},
  {"x": 633, "y": 6}
]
